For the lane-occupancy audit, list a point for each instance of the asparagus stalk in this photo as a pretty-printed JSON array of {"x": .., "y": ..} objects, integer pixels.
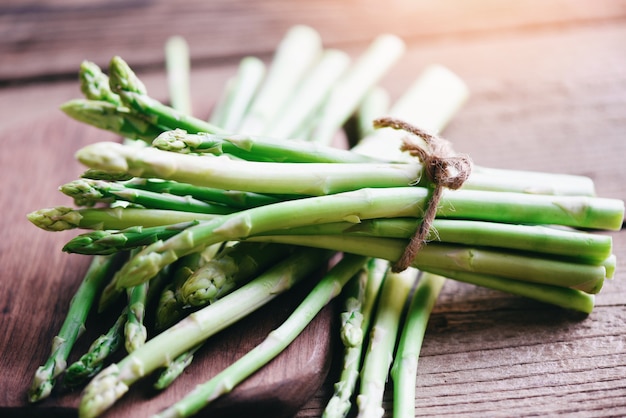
[
  {"x": 259, "y": 177},
  {"x": 404, "y": 368},
  {"x": 239, "y": 94},
  {"x": 350, "y": 90},
  {"x": 62, "y": 218},
  {"x": 255, "y": 148},
  {"x": 177, "y": 63},
  {"x": 327, "y": 289},
  {"x": 229, "y": 269},
  {"x": 563, "y": 297},
  {"x": 135, "y": 332},
  {"x": 310, "y": 95},
  {"x": 395, "y": 290},
  {"x": 296, "y": 178},
  {"x": 374, "y": 105},
  {"x": 87, "y": 192},
  {"x": 98, "y": 273},
  {"x": 175, "y": 368},
  {"x": 111, "y": 117},
  {"x": 360, "y": 300},
  {"x": 112, "y": 382},
  {"x": 112, "y": 241},
  {"x": 295, "y": 55},
  {"x": 232, "y": 198}
]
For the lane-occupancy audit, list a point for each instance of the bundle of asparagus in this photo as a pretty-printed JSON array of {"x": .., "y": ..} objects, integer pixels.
[{"x": 214, "y": 219}]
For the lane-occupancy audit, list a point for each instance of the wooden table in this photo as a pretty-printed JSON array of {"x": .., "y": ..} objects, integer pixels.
[{"x": 548, "y": 92}]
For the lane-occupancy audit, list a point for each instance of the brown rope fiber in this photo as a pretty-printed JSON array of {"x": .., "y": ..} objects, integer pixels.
[{"x": 444, "y": 168}]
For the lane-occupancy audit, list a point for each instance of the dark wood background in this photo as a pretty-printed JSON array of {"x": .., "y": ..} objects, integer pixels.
[{"x": 548, "y": 92}]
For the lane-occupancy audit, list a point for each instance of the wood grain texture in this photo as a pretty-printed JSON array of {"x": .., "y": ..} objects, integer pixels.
[
  {"x": 33, "y": 46},
  {"x": 548, "y": 92}
]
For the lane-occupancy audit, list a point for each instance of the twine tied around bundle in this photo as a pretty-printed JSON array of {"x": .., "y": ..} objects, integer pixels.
[{"x": 444, "y": 168}]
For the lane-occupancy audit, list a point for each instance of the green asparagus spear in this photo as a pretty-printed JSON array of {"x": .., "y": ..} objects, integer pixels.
[
  {"x": 258, "y": 177},
  {"x": 385, "y": 326},
  {"x": 232, "y": 198},
  {"x": 175, "y": 368},
  {"x": 177, "y": 63},
  {"x": 295, "y": 55},
  {"x": 296, "y": 178},
  {"x": 255, "y": 148},
  {"x": 374, "y": 105},
  {"x": 97, "y": 275},
  {"x": 563, "y": 297},
  {"x": 111, "y": 117},
  {"x": 62, "y": 218},
  {"x": 111, "y": 241},
  {"x": 135, "y": 332},
  {"x": 350, "y": 90},
  {"x": 238, "y": 94},
  {"x": 404, "y": 368},
  {"x": 87, "y": 192},
  {"x": 310, "y": 95}
]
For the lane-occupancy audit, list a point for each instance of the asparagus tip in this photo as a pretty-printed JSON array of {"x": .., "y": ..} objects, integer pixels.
[
  {"x": 42, "y": 384},
  {"x": 58, "y": 218},
  {"x": 102, "y": 392}
]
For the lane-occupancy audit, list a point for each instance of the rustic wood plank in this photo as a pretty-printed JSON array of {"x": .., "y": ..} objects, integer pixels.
[{"x": 48, "y": 38}]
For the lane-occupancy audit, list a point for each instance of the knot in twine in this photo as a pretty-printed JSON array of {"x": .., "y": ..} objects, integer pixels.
[{"x": 444, "y": 168}]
